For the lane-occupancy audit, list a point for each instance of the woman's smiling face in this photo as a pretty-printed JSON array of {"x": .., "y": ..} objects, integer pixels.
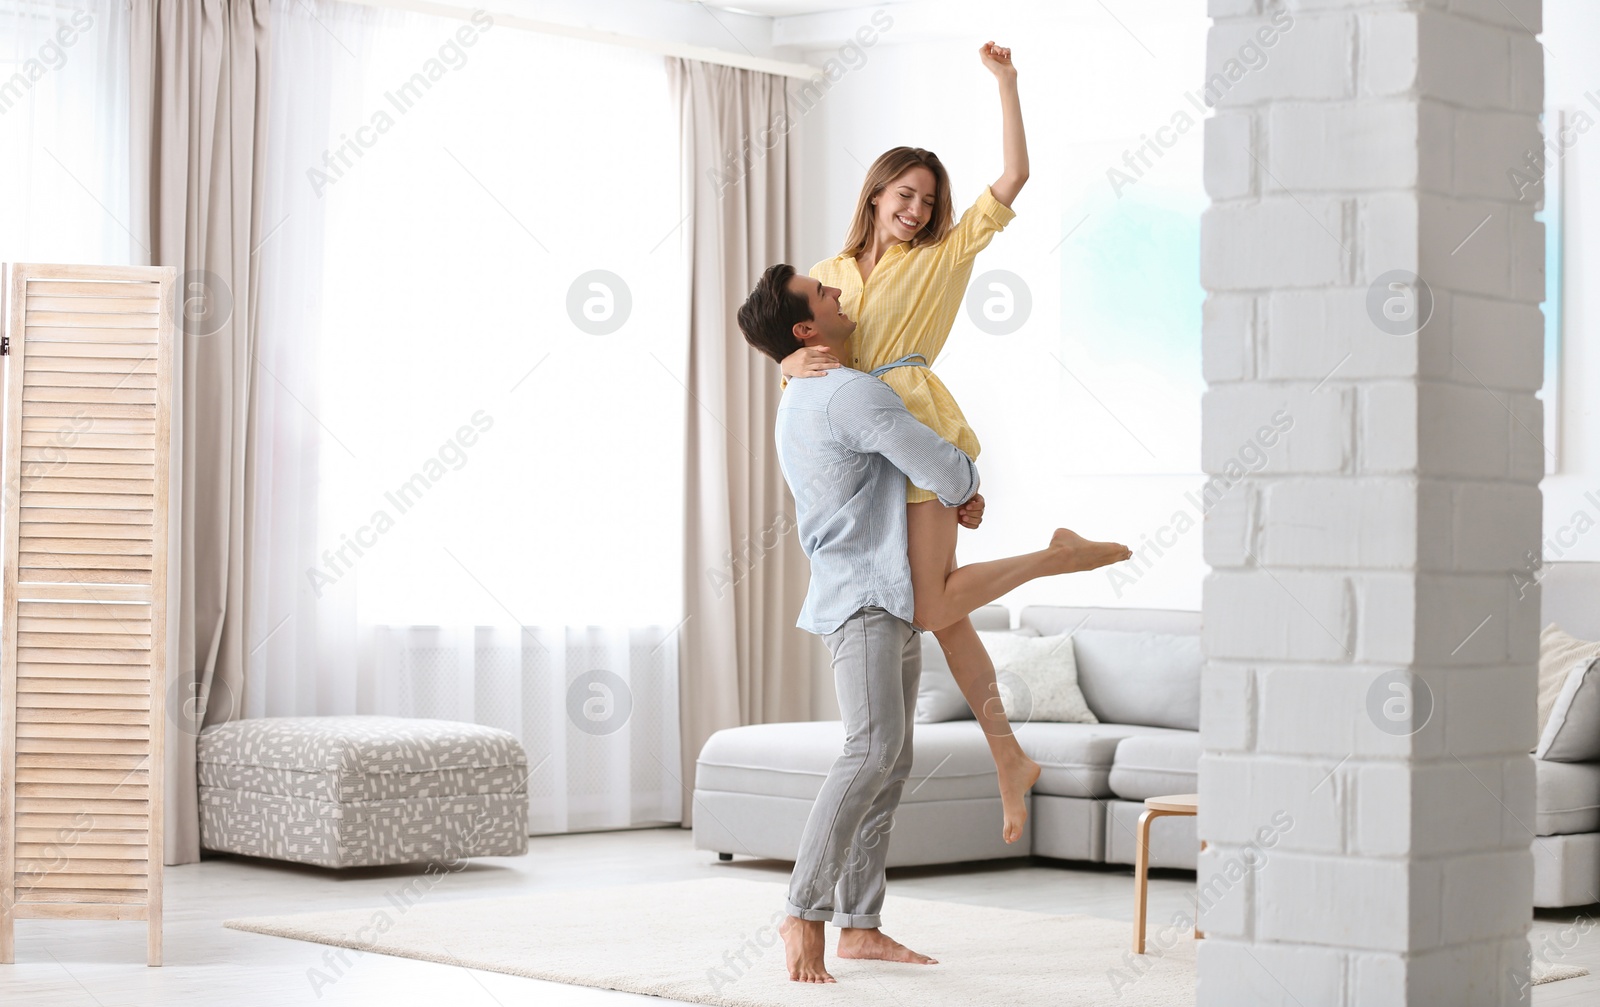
[{"x": 906, "y": 204}]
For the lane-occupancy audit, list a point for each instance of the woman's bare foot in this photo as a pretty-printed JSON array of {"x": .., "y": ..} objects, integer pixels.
[
  {"x": 803, "y": 944},
  {"x": 1072, "y": 553},
  {"x": 861, "y": 942},
  {"x": 1017, "y": 775}
]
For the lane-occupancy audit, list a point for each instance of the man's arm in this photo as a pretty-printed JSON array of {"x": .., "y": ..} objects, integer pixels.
[{"x": 867, "y": 416}]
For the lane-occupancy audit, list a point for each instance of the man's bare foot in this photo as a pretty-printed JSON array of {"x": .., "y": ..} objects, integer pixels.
[
  {"x": 803, "y": 944},
  {"x": 1072, "y": 553},
  {"x": 1017, "y": 776},
  {"x": 861, "y": 942}
]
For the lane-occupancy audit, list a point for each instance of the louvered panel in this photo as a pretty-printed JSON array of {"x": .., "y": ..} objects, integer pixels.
[
  {"x": 53, "y": 849},
  {"x": 68, "y": 435},
  {"x": 71, "y": 806},
  {"x": 92, "y": 410},
  {"x": 108, "y": 828},
  {"x": 90, "y": 621},
  {"x": 104, "y": 320},
  {"x": 47, "y": 484},
  {"x": 120, "y": 679},
  {"x": 119, "y": 476},
  {"x": 71, "y": 865},
  {"x": 85, "y": 561},
  {"x": 52, "y": 453},
  {"x": 89, "y": 747},
  {"x": 49, "y": 829},
  {"x": 90, "y": 882},
  {"x": 77, "y": 303},
  {"x": 85, "y": 899},
  {"x": 64, "y": 516},
  {"x": 87, "y": 794},
  {"x": 120, "y": 763},
  {"x": 49, "y": 392},
  {"x": 63, "y": 573},
  {"x": 66, "y": 715},
  {"x": 108, "y": 634},
  {"x": 120, "y": 439},
  {"x": 82, "y": 655},
  {"x": 52, "y": 695},
  {"x": 95, "y": 369},
  {"x": 135, "y": 777},
  {"x": 105, "y": 350},
  {"x": 84, "y": 646},
  {"x": 83, "y": 732},
  {"x": 74, "y": 372},
  {"x": 77, "y": 559}
]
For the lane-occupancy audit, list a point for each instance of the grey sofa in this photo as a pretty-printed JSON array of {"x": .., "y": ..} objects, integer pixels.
[{"x": 754, "y": 786}]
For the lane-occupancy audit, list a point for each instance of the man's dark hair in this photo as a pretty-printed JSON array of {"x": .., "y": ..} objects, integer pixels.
[{"x": 768, "y": 316}]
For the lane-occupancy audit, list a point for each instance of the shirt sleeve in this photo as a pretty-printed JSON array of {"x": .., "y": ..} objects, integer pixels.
[
  {"x": 867, "y": 416},
  {"x": 985, "y": 218}
]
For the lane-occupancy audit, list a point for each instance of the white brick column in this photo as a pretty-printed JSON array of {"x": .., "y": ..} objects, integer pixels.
[{"x": 1366, "y": 789}]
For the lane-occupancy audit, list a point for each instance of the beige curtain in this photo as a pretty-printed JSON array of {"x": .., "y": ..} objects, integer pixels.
[
  {"x": 740, "y": 658},
  {"x": 197, "y": 133}
]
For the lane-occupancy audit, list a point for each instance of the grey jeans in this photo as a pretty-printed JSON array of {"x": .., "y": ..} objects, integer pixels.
[{"x": 839, "y": 872}]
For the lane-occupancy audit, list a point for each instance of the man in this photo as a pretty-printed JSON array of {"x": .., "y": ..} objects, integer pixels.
[{"x": 846, "y": 445}]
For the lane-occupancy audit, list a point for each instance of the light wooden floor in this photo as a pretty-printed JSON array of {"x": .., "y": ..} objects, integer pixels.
[{"x": 101, "y": 964}]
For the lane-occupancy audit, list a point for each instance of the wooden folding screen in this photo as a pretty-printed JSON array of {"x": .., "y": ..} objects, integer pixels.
[{"x": 83, "y": 647}]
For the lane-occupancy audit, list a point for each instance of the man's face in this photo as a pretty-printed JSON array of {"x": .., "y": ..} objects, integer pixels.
[{"x": 829, "y": 324}]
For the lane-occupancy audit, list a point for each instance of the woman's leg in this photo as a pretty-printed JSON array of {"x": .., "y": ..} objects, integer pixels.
[
  {"x": 932, "y": 539},
  {"x": 946, "y": 593},
  {"x": 974, "y": 673}
]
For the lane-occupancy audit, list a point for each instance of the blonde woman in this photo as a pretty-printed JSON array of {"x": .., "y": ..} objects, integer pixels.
[{"x": 901, "y": 276}]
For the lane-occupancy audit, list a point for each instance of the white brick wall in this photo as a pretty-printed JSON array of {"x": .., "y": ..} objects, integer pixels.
[{"x": 1369, "y": 671}]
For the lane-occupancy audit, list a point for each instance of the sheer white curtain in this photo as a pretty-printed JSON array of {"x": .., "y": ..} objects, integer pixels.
[
  {"x": 469, "y": 396},
  {"x": 64, "y": 132}
]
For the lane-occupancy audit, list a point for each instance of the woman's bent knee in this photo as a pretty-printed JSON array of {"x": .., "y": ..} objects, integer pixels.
[{"x": 936, "y": 618}]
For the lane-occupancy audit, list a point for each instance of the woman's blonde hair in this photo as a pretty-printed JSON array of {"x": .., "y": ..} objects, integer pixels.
[{"x": 890, "y": 165}]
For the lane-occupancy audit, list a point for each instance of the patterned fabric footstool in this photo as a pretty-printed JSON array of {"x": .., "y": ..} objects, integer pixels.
[{"x": 362, "y": 791}]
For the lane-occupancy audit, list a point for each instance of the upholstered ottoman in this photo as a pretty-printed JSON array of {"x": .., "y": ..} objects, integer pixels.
[{"x": 361, "y": 791}]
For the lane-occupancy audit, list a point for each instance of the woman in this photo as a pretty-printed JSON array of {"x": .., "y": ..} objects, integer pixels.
[{"x": 902, "y": 274}]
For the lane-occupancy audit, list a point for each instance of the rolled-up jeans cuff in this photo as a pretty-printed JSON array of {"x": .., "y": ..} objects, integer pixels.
[
  {"x": 814, "y": 915},
  {"x": 871, "y": 921}
]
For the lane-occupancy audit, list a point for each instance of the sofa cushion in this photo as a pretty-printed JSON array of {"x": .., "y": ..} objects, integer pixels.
[
  {"x": 1568, "y": 799},
  {"x": 1144, "y": 678},
  {"x": 1573, "y": 732},
  {"x": 1075, "y": 760},
  {"x": 951, "y": 760},
  {"x": 938, "y": 697},
  {"x": 1156, "y": 765},
  {"x": 1559, "y": 651}
]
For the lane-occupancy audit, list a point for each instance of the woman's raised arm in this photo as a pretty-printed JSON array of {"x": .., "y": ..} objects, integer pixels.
[{"x": 1015, "y": 174}]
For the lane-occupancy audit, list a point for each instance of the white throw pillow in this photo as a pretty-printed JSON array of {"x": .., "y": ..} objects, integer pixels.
[
  {"x": 1573, "y": 733},
  {"x": 1559, "y": 651},
  {"x": 1038, "y": 678}
]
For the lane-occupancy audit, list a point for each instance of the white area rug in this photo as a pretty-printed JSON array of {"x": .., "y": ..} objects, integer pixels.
[
  {"x": 1544, "y": 973},
  {"x": 715, "y": 942}
]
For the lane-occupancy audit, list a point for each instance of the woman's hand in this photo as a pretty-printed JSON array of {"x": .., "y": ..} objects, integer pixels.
[
  {"x": 970, "y": 514},
  {"x": 809, "y": 362},
  {"x": 998, "y": 59}
]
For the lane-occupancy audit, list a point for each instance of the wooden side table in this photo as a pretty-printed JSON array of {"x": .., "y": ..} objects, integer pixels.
[{"x": 1155, "y": 807}]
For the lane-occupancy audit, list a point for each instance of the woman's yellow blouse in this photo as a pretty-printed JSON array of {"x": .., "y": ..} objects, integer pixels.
[{"x": 908, "y": 305}]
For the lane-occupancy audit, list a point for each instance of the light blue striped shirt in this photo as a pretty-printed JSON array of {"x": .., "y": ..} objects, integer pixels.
[{"x": 846, "y": 445}]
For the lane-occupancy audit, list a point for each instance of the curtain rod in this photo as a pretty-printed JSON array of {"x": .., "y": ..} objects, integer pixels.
[{"x": 743, "y": 61}]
